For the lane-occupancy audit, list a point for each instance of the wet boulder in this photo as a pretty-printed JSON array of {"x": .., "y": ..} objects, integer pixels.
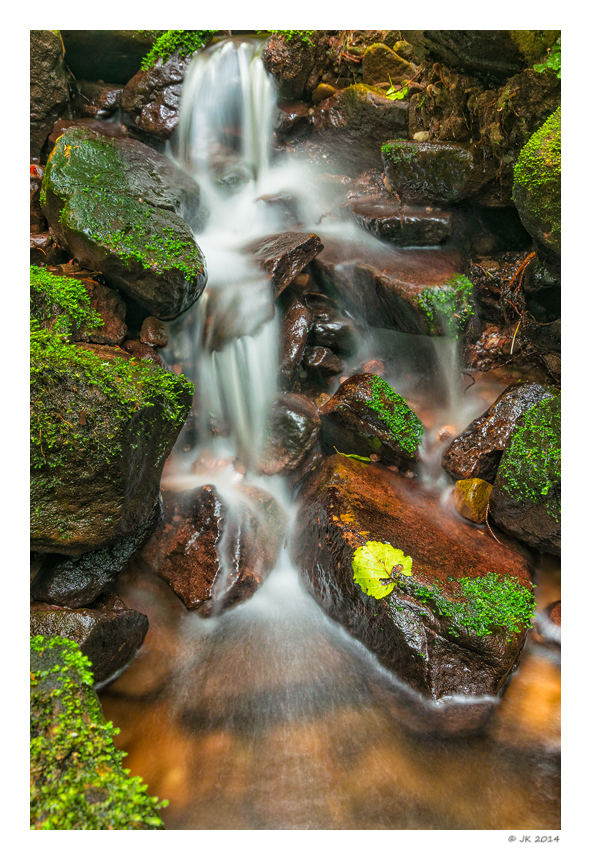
[
  {"x": 97, "y": 100},
  {"x": 536, "y": 188},
  {"x": 120, "y": 208},
  {"x": 285, "y": 255},
  {"x": 403, "y": 225},
  {"x": 525, "y": 501},
  {"x": 151, "y": 100},
  {"x": 297, "y": 320},
  {"x": 77, "y": 778},
  {"x": 366, "y": 417},
  {"x": 108, "y": 633},
  {"x": 471, "y": 499},
  {"x": 430, "y": 173},
  {"x": 293, "y": 428},
  {"x": 477, "y": 452},
  {"x": 456, "y": 624},
  {"x": 102, "y": 426},
  {"x": 212, "y": 554},
  {"x": 289, "y": 60},
  {"x": 50, "y": 85}
]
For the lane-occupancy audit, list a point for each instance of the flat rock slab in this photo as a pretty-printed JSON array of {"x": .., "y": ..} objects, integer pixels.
[
  {"x": 344, "y": 504},
  {"x": 109, "y": 633},
  {"x": 403, "y": 225},
  {"x": 437, "y": 173},
  {"x": 120, "y": 209},
  {"x": 285, "y": 255}
]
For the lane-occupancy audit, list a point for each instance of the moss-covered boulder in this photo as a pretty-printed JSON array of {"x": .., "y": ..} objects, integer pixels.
[
  {"x": 366, "y": 417},
  {"x": 536, "y": 187},
  {"x": 120, "y": 208},
  {"x": 525, "y": 501},
  {"x": 50, "y": 85},
  {"x": 77, "y": 778},
  {"x": 439, "y": 173},
  {"x": 102, "y": 426}
]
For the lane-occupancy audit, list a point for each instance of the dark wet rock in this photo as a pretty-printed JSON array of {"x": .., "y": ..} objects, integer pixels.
[
  {"x": 383, "y": 65},
  {"x": 108, "y": 633},
  {"x": 431, "y": 173},
  {"x": 150, "y": 102},
  {"x": 471, "y": 499},
  {"x": 343, "y": 505},
  {"x": 119, "y": 207},
  {"x": 105, "y": 55},
  {"x": 291, "y": 118},
  {"x": 477, "y": 452},
  {"x": 75, "y": 581},
  {"x": 388, "y": 288},
  {"x": 297, "y": 321},
  {"x": 285, "y": 255},
  {"x": 37, "y": 218},
  {"x": 97, "y": 100},
  {"x": 352, "y": 125},
  {"x": 293, "y": 428},
  {"x": 322, "y": 361},
  {"x": 547, "y": 626},
  {"x": 100, "y": 126},
  {"x": 366, "y": 417},
  {"x": 494, "y": 53},
  {"x": 50, "y": 85},
  {"x": 525, "y": 501},
  {"x": 140, "y": 350},
  {"x": 45, "y": 250},
  {"x": 214, "y": 557},
  {"x": 536, "y": 189},
  {"x": 403, "y": 225},
  {"x": 154, "y": 332},
  {"x": 542, "y": 293},
  {"x": 289, "y": 62},
  {"x": 336, "y": 334},
  {"x": 102, "y": 426}
]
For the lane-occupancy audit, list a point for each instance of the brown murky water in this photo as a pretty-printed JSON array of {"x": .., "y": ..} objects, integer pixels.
[{"x": 272, "y": 718}]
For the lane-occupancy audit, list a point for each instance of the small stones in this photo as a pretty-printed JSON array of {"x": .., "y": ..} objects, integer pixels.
[
  {"x": 471, "y": 499},
  {"x": 154, "y": 332}
]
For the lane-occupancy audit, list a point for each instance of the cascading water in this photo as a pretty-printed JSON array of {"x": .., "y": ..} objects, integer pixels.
[{"x": 269, "y": 715}]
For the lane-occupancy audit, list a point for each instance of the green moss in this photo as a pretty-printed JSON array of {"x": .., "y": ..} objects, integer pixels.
[
  {"x": 449, "y": 305},
  {"x": 404, "y": 426},
  {"x": 400, "y": 152},
  {"x": 484, "y": 604},
  {"x": 77, "y": 780},
  {"x": 61, "y": 299},
  {"x": 186, "y": 42},
  {"x": 540, "y": 158},
  {"x": 132, "y": 385},
  {"x": 305, "y": 36},
  {"x": 530, "y": 468},
  {"x": 552, "y": 62}
]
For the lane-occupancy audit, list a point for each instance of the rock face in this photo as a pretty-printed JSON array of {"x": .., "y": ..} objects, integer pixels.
[
  {"x": 102, "y": 427},
  {"x": 426, "y": 630},
  {"x": 150, "y": 103},
  {"x": 366, "y": 417},
  {"x": 50, "y": 88},
  {"x": 210, "y": 556},
  {"x": 403, "y": 225},
  {"x": 77, "y": 779},
  {"x": 108, "y": 633},
  {"x": 525, "y": 501},
  {"x": 285, "y": 255},
  {"x": 119, "y": 207},
  {"x": 477, "y": 452},
  {"x": 536, "y": 190},
  {"x": 108, "y": 55}
]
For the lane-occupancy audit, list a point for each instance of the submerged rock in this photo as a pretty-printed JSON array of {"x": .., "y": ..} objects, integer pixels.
[
  {"x": 77, "y": 778},
  {"x": 456, "y": 625},
  {"x": 477, "y": 452},
  {"x": 213, "y": 555},
  {"x": 50, "y": 85},
  {"x": 525, "y": 501},
  {"x": 119, "y": 207},
  {"x": 108, "y": 633},
  {"x": 297, "y": 321},
  {"x": 366, "y": 417}
]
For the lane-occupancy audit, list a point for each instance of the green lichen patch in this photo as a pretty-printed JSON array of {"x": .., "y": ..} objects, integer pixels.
[
  {"x": 404, "y": 426},
  {"x": 484, "y": 605},
  {"x": 186, "y": 42},
  {"x": 61, "y": 303},
  {"x": 448, "y": 307},
  {"x": 77, "y": 778},
  {"x": 530, "y": 468}
]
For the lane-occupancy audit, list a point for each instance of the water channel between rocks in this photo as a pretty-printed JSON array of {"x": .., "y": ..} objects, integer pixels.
[{"x": 269, "y": 715}]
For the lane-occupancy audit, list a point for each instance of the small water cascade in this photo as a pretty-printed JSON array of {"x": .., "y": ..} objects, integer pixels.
[{"x": 274, "y": 716}]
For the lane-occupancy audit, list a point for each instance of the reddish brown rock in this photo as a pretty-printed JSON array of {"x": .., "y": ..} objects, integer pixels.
[
  {"x": 477, "y": 452},
  {"x": 97, "y": 100},
  {"x": 108, "y": 633},
  {"x": 142, "y": 350},
  {"x": 322, "y": 360},
  {"x": 150, "y": 102},
  {"x": 343, "y": 505},
  {"x": 154, "y": 332},
  {"x": 403, "y": 225},
  {"x": 289, "y": 61},
  {"x": 291, "y": 118},
  {"x": 285, "y": 255},
  {"x": 294, "y": 427},
  {"x": 295, "y": 331},
  {"x": 212, "y": 556}
]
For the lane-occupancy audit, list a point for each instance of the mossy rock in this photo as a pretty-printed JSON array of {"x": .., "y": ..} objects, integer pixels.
[
  {"x": 77, "y": 778},
  {"x": 536, "y": 188},
  {"x": 432, "y": 173},
  {"x": 120, "y": 208},
  {"x": 525, "y": 501},
  {"x": 102, "y": 426},
  {"x": 381, "y": 64}
]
